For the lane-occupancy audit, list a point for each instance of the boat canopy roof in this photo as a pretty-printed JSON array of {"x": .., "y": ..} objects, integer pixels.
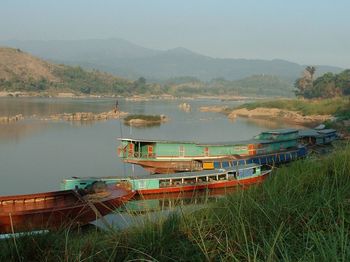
[
  {"x": 327, "y": 131},
  {"x": 198, "y": 173},
  {"x": 225, "y": 143},
  {"x": 178, "y": 175},
  {"x": 315, "y": 133},
  {"x": 280, "y": 131}
]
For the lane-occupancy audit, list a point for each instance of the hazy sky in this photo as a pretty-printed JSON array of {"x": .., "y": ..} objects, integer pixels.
[{"x": 303, "y": 31}]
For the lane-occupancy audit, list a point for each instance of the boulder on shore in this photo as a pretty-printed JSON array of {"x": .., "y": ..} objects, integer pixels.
[
  {"x": 88, "y": 116},
  {"x": 275, "y": 113},
  {"x": 141, "y": 121},
  {"x": 185, "y": 107},
  {"x": 10, "y": 119}
]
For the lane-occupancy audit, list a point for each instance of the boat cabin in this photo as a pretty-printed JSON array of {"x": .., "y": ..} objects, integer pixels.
[
  {"x": 171, "y": 180},
  {"x": 266, "y": 142},
  {"x": 152, "y": 149},
  {"x": 317, "y": 137}
]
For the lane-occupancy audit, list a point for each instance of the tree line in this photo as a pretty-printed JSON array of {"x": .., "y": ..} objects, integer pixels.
[{"x": 326, "y": 86}]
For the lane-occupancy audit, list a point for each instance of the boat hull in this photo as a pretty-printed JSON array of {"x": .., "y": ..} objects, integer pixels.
[
  {"x": 167, "y": 166},
  {"x": 173, "y": 185},
  {"x": 204, "y": 186},
  {"x": 172, "y": 166},
  {"x": 55, "y": 210}
]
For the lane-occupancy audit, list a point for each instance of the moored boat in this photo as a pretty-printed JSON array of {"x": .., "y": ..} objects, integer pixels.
[
  {"x": 265, "y": 159},
  {"x": 180, "y": 182},
  {"x": 179, "y": 156},
  {"x": 54, "y": 210},
  {"x": 317, "y": 137}
]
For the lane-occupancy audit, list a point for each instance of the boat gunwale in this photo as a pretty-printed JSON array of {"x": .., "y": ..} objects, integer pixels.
[
  {"x": 225, "y": 143},
  {"x": 81, "y": 203}
]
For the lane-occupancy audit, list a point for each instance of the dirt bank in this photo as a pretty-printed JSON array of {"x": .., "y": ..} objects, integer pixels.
[
  {"x": 214, "y": 109},
  {"x": 10, "y": 119},
  {"x": 87, "y": 116},
  {"x": 281, "y": 114}
]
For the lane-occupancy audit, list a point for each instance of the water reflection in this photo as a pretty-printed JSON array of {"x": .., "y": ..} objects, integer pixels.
[
  {"x": 154, "y": 208},
  {"x": 19, "y": 130},
  {"x": 49, "y": 106}
]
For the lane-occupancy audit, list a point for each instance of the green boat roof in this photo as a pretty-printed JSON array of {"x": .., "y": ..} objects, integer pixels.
[
  {"x": 192, "y": 142},
  {"x": 280, "y": 131},
  {"x": 225, "y": 143},
  {"x": 173, "y": 175},
  {"x": 316, "y": 133},
  {"x": 327, "y": 131},
  {"x": 197, "y": 173}
]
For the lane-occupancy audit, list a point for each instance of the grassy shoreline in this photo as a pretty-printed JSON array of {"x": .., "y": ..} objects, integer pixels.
[
  {"x": 301, "y": 212},
  {"x": 306, "y": 107},
  {"x": 333, "y": 112}
]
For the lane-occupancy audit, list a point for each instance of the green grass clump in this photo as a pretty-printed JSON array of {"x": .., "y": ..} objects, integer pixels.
[
  {"x": 144, "y": 117},
  {"x": 300, "y": 213},
  {"x": 306, "y": 107}
]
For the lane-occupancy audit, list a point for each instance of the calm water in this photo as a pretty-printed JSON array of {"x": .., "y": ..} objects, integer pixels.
[{"x": 36, "y": 155}]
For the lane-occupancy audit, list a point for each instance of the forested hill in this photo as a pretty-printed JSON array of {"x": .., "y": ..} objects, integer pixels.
[
  {"x": 123, "y": 58},
  {"x": 20, "y": 71}
]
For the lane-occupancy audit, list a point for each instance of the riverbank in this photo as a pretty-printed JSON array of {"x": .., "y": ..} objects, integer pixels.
[
  {"x": 333, "y": 112},
  {"x": 132, "y": 98},
  {"x": 86, "y": 116},
  {"x": 71, "y": 117},
  {"x": 300, "y": 213},
  {"x": 11, "y": 119},
  {"x": 278, "y": 114}
]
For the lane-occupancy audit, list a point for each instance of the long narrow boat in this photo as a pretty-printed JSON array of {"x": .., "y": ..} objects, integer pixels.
[
  {"x": 159, "y": 156},
  {"x": 315, "y": 137},
  {"x": 281, "y": 157},
  {"x": 54, "y": 210},
  {"x": 179, "y": 182}
]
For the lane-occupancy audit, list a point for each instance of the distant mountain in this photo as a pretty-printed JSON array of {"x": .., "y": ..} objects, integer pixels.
[{"x": 126, "y": 59}]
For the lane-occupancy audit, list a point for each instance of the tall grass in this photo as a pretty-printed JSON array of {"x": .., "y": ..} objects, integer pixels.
[
  {"x": 300, "y": 213},
  {"x": 306, "y": 107},
  {"x": 143, "y": 117}
]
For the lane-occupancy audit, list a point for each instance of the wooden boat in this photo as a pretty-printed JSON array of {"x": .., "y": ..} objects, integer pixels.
[
  {"x": 173, "y": 156},
  {"x": 54, "y": 210},
  {"x": 266, "y": 159},
  {"x": 180, "y": 182},
  {"x": 315, "y": 137}
]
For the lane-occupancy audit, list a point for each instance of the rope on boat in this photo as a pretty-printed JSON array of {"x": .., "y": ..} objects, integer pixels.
[{"x": 98, "y": 214}]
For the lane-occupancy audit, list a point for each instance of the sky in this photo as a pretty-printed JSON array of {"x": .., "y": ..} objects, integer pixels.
[{"x": 309, "y": 32}]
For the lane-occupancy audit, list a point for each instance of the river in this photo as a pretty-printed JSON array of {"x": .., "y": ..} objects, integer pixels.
[{"x": 35, "y": 155}]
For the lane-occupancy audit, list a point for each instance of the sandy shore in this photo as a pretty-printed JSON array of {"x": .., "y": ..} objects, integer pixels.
[
  {"x": 86, "y": 116},
  {"x": 214, "y": 109},
  {"x": 268, "y": 114},
  {"x": 78, "y": 116},
  {"x": 281, "y": 114}
]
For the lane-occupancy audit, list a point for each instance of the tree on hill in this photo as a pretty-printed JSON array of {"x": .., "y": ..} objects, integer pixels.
[
  {"x": 325, "y": 86},
  {"x": 139, "y": 86},
  {"x": 305, "y": 83},
  {"x": 343, "y": 81},
  {"x": 311, "y": 70}
]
